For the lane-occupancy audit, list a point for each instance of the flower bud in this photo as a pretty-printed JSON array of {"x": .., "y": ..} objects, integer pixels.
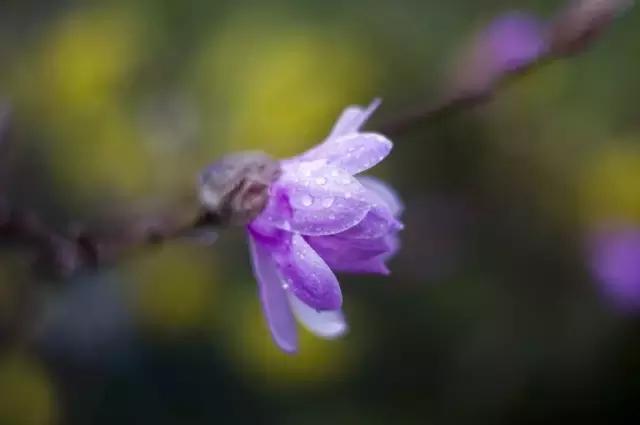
[
  {"x": 236, "y": 187},
  {"x": 509, "y": 43}
]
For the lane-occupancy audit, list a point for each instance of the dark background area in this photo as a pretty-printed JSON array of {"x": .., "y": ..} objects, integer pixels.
[{"x": 497, "y": 310}]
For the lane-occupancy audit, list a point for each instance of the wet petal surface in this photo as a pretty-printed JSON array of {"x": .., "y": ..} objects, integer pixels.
[
  {"x": 308, "y": 277},
  {"x": 353, "y": 152},
  {"x": 325, "y": 324},
  {"x": 274, "y": 299},
  {"x": 384, "y": 192},
  {"x": 323, "y": 199}
]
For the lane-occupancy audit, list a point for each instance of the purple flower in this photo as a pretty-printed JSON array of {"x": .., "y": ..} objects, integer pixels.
[
  {"x": 320, "y": 219},
  {"x": 514, "y": 40},
  {"x": 615, "y": 261},
  {"x": 511, "y": 42}
]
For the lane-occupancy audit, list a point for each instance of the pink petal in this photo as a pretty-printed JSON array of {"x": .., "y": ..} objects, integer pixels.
[
  {"x": 353, "y": 118},
  {"x": 325, "y": 324},
  {"x": 348, "y": 148},
  {"x": 274, "y": 299},
  {"x": 322, "y": 199},
  {"x": 353, "y": 152},
  {"x": 384, "y": 192},
  {"x": 374, "y": 265},
  {"x": 340, "y": 253},
  {"x": 378, "y": 222},
  {"x": 308, "y": 276}
]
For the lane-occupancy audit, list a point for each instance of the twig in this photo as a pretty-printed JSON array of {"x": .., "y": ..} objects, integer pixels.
[
  {"x": 455, "y": 103},
  {"x": 62, "y": 254},
  {"x": 573, "y": 30}
]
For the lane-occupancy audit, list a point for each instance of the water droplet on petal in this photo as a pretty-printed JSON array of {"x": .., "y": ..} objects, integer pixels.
[
  {"x": 285, "y": 286},
  {"x": 327, "y": 202},
  {"x": 306, "y": 200},
  {"x": 321, "y": 180}
]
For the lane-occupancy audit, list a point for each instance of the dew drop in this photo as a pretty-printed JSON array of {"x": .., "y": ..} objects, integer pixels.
[
  {"x": 327, "y": 202},
  {"x": 285, "y": 286},
  {"x": 321, "y": 180},
  {"x": 306, "y": 200}
]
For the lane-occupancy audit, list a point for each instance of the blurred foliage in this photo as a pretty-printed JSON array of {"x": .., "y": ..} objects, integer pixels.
[
  {"x": 319, "y": 363},
  {"x": 611, "y": 182},
  {"x": 175, "y": 290},
  {"x": 490, "y": 315},
  {"x": 26, "y": 392},
  {"x": 279, "y": 83},
  {"x": 77, "y": 80}
]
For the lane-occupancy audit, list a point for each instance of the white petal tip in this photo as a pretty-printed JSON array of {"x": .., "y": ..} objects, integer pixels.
[
  {"x": 324, "y": 324},
  {"x": 332, "y": 331}
]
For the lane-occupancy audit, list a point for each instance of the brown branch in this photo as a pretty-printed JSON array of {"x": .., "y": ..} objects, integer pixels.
[
  {"x": 64, "y": 253},
  {"x": 572, "y": 31},
  {"x": 455, "y": 103}
]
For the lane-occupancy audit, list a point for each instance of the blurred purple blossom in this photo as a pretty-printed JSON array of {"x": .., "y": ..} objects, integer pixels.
[
  {"x": 615, "y": 262},
  {"x": 320, "y": 219},
  {"x": 512, "y": 41},
  {"x": 515, "y": 39}
]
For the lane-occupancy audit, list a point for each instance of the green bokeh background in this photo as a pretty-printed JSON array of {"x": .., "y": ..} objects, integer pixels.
[{"x": 490, "y": 315}]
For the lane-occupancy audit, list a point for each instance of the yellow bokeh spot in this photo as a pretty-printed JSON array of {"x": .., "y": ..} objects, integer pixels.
[
  {"x": 26, "y": 392},
  {"x": 174, "y": 289},
  {"x": 281, "y": 86},
  {"x": 102, "y": 158},
  {"x": 78, "y": 84},
  {"x": 88, "y": 57},
  {"x": 11, "y": 282},
  {"x": 611, "y": 183},
  {"x": 319, "y": 362}
]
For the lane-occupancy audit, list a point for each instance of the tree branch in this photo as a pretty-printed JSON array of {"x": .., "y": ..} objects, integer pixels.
[
  {"x": 64, "y": 253},
  {"x": 572, "y": 31}
]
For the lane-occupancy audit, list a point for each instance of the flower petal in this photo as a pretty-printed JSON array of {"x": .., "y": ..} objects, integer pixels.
[
  {"x": 323, "y": 199},
  {"x": 274, "y": 299},
  {"x": 348, "y": 148},
  {"x": 277, "y": 213},
  {"x": 393, "y": 241},
  {"x": 357, "y": 255},
  {"x": 384, "y": 192},
  {"x": 377, "y": 223},
  {"x": 308, "y": 276},
  {"x": 374, "y": 265},
  {"x": 353, "y": 152},
  {"x": 325, "y": 324},
  {"x": 339, "y": 252},
  {"x": 353, "y": 118}
]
